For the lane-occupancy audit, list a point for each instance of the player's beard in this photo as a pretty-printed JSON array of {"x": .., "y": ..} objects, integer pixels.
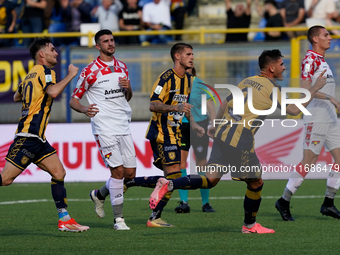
[{"x": 109, "y": 52}]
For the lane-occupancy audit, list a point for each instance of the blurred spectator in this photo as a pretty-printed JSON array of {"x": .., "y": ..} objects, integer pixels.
[
  {"x": 48, "y": 12},
  {"x": 8, "y": 17},
  {"x": 178, "y": 12},
  {"x": 293, "y": 14},
  {"x": 274, "y": 19},
  {"x": 238, "y": 18},
  {"x": 107, "y": 14},
  {"x": 73, "y": 13},
  {"x": 33, "y": 18},
  {"x": 130, "y": 19},
  {"x": 320, "y": 12},
  {"x": 191, "y": 6},
  {"x": 156, "y": 16}
]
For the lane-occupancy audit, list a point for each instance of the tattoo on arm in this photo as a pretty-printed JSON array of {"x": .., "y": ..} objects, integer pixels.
[{"x": 158, "y": 106}]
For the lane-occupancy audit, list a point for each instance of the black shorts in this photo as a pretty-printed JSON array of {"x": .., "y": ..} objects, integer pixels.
[
  {"x": 25, "y": 150},
  {"x": 165, "y": 154},
  {"x": 242, "y": 164},
  {"x": 199, "y": 144}
]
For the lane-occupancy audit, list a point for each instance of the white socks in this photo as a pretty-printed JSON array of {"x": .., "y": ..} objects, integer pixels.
[{"x": 116, "y": 188}]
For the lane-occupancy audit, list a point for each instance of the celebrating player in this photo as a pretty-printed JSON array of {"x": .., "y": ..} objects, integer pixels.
[
  {"x": 234, "y": 144},
  {"x": 321, "y": 128},
  {"x": 36, "y": 93},
  {"x": 106, "y": 84}
]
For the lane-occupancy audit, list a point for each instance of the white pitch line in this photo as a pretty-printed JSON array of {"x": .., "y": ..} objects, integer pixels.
[{"x": 146, "y": 198}]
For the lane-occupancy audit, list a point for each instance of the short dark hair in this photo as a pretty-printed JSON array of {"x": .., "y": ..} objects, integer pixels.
[
  {"x": 100, "y": 33},
  {"x": 268, "y": 56},
  {"x": 38, "y": 44},
  {"x": 272, "y": 2},
  {"x": 313, "y": 31},
  {"x": 178, "y": 48}
]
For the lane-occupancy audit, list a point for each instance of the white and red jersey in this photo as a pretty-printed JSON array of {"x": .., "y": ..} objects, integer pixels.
[
  {"x": 322, "y": 110},
  {"x": 99, "y": 82}
]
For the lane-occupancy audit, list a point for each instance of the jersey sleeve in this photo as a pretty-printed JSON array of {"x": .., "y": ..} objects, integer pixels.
[
  {"x": 47, "y": 77},
  {"x": 160, "y": 87},
  {"x": 82, "y": 84},
  {"x": 308, "y": 68}
]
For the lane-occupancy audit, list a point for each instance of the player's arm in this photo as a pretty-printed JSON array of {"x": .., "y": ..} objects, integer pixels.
[
  {"x": 56, "y": 89},
  {"x": 89, "y": 111},
  {"x": 158, "y": 106},
  {"x": 227, "y": 4},
  {"x": 17, "y": 96},
  {"x": 321, "y": 81},
  {"x": 125, "y": 83},
  {"x": 248, "y": 7}
]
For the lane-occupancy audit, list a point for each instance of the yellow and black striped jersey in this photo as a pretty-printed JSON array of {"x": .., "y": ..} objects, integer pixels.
[
  {"x": 170, "y": 89},
  {"x": 36, "y": 103},
  {"x": 239, "y": 130}
]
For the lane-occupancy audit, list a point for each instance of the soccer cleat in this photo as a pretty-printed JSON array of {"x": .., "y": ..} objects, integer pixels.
[
  {"x": 257, "y": 229},
  {"x": 160, "y": 190},
  {"x": 98, "y": 204},
  {"x": 183, "y": 207},
  {"x": 158, "y": 223},
  {"x": 284, "y": 211},
  {"x": 330, "y": 211},
  {"x": 207, "y": 208},
  {"x": 120, "y": 224},
  {"x": 71, "y": 226}
]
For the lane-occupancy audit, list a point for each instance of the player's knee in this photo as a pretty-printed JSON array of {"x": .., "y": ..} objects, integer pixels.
[
  {"x": 129, "y": 176},
  {"x": 59, "y": 175},
  {"x": 6, "y": 181},
  {"x": 255, "y": 184},
  {"x": 212, "y": 182}
]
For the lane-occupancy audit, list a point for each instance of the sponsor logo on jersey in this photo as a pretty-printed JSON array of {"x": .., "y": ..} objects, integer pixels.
[
  {"x": 158, "y": 89},
  {"x": 170, "y": 148},
  {"x": 24, "y": 160},
  {"x": 48, "y": 77},
  {"x": 113, "y": 91},
  {"x": 99, "y": 82},
  {"x": 307, "y": 68},
  {"x": 172, "y": 155},
  {"x": 28, "y": 154},
  {"x": 180, "y": 98}
]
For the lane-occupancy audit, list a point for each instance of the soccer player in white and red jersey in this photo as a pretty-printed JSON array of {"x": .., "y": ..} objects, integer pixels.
[
  {"x": 106, "y": 84},
  {"x": 321, "y": 128}
]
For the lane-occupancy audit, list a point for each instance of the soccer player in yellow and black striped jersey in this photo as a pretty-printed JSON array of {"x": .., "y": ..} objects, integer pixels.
[
  {"x": 233, "y": 146},
  {"x": 36, "y": 93}
]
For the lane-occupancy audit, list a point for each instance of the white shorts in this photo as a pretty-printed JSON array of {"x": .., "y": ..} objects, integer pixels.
[
  {"x": 117, "y": 150},
  {"x": 321, "y": 134}
]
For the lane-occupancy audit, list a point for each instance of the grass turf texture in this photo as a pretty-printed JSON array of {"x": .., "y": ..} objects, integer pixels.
[{"x": 31, "y": 228}]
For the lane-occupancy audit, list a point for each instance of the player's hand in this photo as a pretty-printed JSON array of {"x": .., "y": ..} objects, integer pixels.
[
  {"x": 124, "y": 83},
  {"x": 335, "y": 102},
  {"x": 200, "y": 131},
  {"x": 211, "y": 131},
  {"x": 321, "y": 81},
  {"x": 91, "y": 110},
  {"x": 73, "y": 70},
  {"x": 184, "y": 107}
]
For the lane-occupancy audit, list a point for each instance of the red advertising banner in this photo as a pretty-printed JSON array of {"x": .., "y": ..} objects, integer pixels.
[{"x": 278, "y": 148}]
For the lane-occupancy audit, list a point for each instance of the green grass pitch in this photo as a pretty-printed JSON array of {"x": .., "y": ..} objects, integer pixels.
[{"x": 28, "y": 223}]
